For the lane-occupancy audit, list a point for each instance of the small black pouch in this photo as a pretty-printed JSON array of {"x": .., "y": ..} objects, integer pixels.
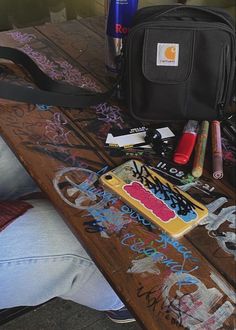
[{"x": 179, "y": 63}]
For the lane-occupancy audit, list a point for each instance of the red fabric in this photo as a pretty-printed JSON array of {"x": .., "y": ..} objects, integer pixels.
[{"x": 9, "y": 211}]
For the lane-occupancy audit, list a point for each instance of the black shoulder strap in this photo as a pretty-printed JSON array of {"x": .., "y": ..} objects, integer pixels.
[{"x": 47, "y": 90}]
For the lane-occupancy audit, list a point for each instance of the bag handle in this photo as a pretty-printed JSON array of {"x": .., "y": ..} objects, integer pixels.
[
  {"x": 48, "y": 91},
  {"x": 200, "y": 9}
]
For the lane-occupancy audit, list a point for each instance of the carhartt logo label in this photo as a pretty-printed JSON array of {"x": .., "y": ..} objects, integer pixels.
[{"x": 167, "y": 54}]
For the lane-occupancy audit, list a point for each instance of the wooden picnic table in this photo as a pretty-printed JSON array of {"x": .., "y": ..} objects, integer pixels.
[{"x": 192, "y": 285}]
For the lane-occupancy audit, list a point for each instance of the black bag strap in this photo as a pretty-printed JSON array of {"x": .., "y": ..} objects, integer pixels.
[{"x": 47, "y": 91}]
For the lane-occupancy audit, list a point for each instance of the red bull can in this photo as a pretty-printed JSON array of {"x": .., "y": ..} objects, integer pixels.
[{"x": 119, "y": 14}]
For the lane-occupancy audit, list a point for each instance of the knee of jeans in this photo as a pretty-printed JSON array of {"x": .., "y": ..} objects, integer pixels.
[
  {"x": 14, "y": 180},
  {"x": 15, "y": 184}
]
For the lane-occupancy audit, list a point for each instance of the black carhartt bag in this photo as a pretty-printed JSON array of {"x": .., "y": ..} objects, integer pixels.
[{"x": 178, "y": 63}]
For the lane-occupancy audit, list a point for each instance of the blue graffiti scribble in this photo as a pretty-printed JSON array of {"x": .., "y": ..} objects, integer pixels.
[{"x": 43, "y": 107}]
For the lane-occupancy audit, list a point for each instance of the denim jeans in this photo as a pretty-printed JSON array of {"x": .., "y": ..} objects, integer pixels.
[{"x": 40, "y": 258}]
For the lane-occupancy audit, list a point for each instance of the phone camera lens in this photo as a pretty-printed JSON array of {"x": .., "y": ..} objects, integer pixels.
[{"x": 108, "y": 177}]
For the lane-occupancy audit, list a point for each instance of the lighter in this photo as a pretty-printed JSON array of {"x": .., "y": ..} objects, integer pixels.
[{"x": 186, "y": 143}]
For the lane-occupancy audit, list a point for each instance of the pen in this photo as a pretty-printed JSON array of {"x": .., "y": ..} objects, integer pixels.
[
  {"x": 186, "y": 143},
  {"x": 200, "y": 149},
  {"x": 217, "y": 157}
]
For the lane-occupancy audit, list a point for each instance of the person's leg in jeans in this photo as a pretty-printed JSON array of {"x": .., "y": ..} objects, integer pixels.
[
  {"x": 14, "y": 179},
  {"x": 40, "y": 258}
]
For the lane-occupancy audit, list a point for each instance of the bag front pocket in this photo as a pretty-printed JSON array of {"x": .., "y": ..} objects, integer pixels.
[
  {"x": 167, "y": 55},
  {"x": 166, "y": 67}
]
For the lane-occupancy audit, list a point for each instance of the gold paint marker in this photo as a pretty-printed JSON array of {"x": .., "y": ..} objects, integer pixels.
[{"x": 200, "y": 149}]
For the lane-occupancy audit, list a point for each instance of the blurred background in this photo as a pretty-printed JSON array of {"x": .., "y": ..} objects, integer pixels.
[{"x": 21, "y": 13}]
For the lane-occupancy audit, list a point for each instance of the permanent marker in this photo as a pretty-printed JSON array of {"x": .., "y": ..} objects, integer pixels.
[
  {"x": 200, "y": 150},
  {"x": 217, "y": 157}
]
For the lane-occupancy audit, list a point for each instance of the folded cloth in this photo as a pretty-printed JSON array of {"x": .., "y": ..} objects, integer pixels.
[{"x": 11, "y": 210}]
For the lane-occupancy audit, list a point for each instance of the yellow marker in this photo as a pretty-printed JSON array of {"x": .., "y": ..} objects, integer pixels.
[{"x": 200, "y": 150}]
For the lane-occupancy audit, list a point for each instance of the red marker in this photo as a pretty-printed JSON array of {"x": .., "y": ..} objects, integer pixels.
[{"x": 186, "y": 143}]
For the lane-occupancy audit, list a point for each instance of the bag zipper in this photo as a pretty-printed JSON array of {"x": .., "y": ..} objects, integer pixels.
[
  {"x": 170, "y": 8},
  {"x": 224, "y": 74},
  {"x": 178, "y": 24}
]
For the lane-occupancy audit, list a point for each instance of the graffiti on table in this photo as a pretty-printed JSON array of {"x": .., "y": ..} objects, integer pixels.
[
  {"x": 43, "y": 131},
  {"x": 60, "y": 69},
  {"x": 217, "y": 217},
  {"x": 43, "y": 107},
  {"x": 56, "y": 131},
  {"x": 153, "y": 300},
  {"x": 224, "y": 287},
  {"x": 158, "y": 249},
  {"x": 225, "y": 239},
  {"x": 144, "y": 265},
  {"x": 79, "y": 188},
  {"x": 52, "y": 134},
  {"x": 70, "y": 156},
  {"x": 56, "y": 68},
  {"x": 106, "y": 117},
  {"x": 190, "y": 310},
  {"x": 21, "y": 37},
  {"x": 182, "y": 299},
  {"x": 109, "y": 114},
  {"x": 110, "y": 219},
  {"x": 18, "y": 122}
]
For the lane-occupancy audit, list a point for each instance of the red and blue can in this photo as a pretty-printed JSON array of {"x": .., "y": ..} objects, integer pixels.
[{"x": 118, "y": 21}]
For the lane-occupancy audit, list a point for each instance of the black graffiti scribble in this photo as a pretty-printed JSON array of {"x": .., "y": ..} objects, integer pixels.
[
  {"x": 93, "y": 227},
  {"x": 178, "y": 201},
  {"x": 67, "y": 154},
  {"x": 170, "y": 308},
  {"x": 153, "y": 298},
  {"x": 176, "y": 309}
]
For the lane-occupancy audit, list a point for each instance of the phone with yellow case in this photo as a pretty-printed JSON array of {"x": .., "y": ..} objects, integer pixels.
[{"x": 154, "y": 197}]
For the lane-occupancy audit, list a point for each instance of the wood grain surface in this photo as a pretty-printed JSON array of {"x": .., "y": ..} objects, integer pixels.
[{"x": 167, "y": 284}]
